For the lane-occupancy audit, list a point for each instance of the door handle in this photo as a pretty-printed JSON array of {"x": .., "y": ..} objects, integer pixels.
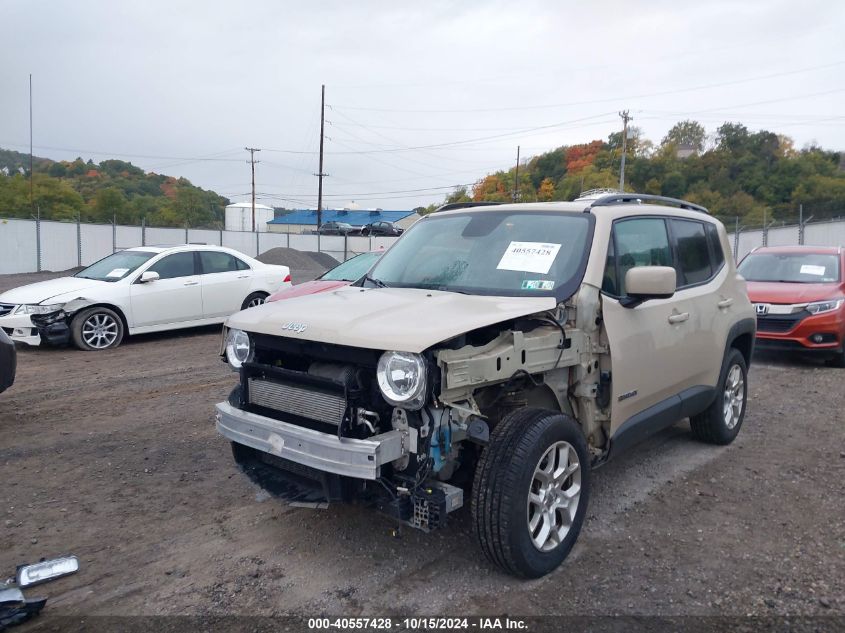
[
  {"x": 724, "y": 303},
  {"x": 243, "y": 276},
  {"x": 192, "y": 283},
  {"x": 678, "y": 318}
]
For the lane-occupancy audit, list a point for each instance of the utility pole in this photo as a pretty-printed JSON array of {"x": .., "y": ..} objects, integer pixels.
[
  {"x": 516, "y": 178},
  {"x": 31, "y": 197},
  {"x": 252, "y": 161},
  {"x": 625, "y": 118},
  {"x": 320, "y": 173}
]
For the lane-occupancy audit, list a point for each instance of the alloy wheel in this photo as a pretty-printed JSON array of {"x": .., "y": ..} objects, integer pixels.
[
  {"x": 100, "y": 331},
  {"x": 734, "y": 396},
  {"x": 553, "y": 496}
]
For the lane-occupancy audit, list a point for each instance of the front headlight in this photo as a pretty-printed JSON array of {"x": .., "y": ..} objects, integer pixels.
[
  {"x": 238, "y": 348},
  {"x": 824, "y": 306},
  {"x": 402, "y": 379},
  {"x": 39, "y": 309}
]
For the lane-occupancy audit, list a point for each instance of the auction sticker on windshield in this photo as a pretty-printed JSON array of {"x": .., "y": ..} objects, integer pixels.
[
  {"x": 117, "y": 272},
  {"x": 529, "y": 257},
  {"x": 809, "y": 269}
]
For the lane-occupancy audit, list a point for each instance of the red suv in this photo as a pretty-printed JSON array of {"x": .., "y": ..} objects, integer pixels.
[{"x": 799, "y": 295}]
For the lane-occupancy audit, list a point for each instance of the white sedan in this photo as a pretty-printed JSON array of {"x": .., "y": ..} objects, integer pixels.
[{"x": 139, "y": 290}]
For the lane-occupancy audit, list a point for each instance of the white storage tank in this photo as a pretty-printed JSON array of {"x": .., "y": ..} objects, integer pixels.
[{"x": 239, "y": 217}]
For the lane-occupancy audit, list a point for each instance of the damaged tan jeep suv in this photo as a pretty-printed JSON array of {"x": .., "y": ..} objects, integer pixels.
[{"x": 493, "y": 356}]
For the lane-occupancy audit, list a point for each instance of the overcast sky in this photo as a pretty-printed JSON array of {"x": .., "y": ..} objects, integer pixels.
[{"x": 165, "y": 84}]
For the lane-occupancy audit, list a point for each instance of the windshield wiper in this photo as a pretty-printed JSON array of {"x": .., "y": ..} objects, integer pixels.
[{"x": 378, "y": 283}]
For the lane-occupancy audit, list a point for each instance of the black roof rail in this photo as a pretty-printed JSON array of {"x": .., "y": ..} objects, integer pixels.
[
  {"x": 623, "y": 198},
  {"x": 464, "y": 205}
]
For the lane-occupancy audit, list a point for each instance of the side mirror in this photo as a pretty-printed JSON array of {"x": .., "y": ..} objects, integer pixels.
[
  {"x": 148, "y": 277},
  {"x": 648, "y": 282}
]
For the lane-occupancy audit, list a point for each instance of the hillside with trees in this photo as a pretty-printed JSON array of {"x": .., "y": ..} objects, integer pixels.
[
  {"x": 99, "y": 192},
  {"x": 733, "y": 172}
]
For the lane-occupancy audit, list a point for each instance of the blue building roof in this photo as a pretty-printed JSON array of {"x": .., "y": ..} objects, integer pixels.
[{"x": 355, "y": 218}]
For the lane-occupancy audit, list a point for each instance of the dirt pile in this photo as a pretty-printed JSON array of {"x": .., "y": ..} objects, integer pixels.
[{"x": 299, "y": 260}]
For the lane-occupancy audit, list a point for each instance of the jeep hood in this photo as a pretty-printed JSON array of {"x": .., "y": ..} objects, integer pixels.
[
  {"x": 43, "y": 291},
  {"x": 400, "y": 319}
]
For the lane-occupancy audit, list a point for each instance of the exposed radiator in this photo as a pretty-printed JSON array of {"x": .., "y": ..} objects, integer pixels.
[{"x": 296, "y": 400}]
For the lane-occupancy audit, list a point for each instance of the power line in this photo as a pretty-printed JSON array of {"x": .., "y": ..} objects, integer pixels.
[{"x": 606, "y": 100}]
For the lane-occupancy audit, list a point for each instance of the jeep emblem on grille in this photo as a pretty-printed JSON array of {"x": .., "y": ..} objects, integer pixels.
[
  {"x": 297, "y": 328},
  {"x": 761, "y": 308}
]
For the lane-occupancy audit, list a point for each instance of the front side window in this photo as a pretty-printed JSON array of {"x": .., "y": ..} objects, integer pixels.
[
  {"x": 693, "y": 252},
  {"x": 176, "y": 265},
  {"x": 217, "y": 262},
  {"x": 637, "y": 242},
  {"x": 116, "y": 267},
  {"x": 501, "y": 253},
  {"x": 799, "y": 268}
]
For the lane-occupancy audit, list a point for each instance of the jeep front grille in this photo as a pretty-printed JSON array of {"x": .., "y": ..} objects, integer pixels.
[{"x": 297, "y": 400}]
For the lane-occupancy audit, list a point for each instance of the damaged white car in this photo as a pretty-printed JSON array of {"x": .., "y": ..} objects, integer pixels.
[{"x": 139, "y": 290}]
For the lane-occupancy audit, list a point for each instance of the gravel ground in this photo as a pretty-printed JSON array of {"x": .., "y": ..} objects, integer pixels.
[{"x": 114, "y": 457}]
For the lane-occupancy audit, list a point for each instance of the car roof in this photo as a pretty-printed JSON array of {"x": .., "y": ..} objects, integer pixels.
[
  {"x": 184, "y": 247},
  {"x": 809, "y": 250},
  {"x": 649, "y": 205}
]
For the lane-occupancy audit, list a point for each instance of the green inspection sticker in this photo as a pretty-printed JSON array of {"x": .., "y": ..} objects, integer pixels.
[{"x": 538, "y": 284}]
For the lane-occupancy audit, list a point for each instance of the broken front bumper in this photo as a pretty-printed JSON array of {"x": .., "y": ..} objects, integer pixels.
[
  {"x": 19, "y": 327},
  {"x": 349, "y": 457}
]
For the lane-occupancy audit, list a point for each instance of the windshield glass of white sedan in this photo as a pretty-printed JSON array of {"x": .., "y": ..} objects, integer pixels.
[
  {"x": 494, "y": 252},
  {"x": 115, "y": 267}
]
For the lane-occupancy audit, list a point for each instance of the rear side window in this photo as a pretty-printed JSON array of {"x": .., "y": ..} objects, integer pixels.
[
  {"x": 693, "y": 252},
  {"x": 637, "y": 242},
  {"x": 715, "y": 246},
  {"x": 176, "y": 265},
  {"x": 217, "y": 262}
]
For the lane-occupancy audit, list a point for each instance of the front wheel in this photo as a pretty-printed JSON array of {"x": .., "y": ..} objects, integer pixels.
[
  {"x": 530, "y": 492},
  {"x": 720, "y": 422},
  {"x": 253, "y": 300},
  {"x": 97, "y": 329}
]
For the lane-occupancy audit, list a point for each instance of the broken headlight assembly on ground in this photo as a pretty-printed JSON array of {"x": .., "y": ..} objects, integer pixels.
[{"x": 15, "y": 608}]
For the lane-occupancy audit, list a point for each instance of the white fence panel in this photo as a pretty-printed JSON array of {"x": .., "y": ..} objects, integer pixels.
[
  {"x": 273, "y": 240},
  {"x": 825, "y": 234},
  {"x": 58, "y": 246},
  {"x": 127, "y": 237},
  {"x": 204, "y": 236},
  {"x": 304, "y": 242},
  {"x": 748, "y": 242},
  {"x": 383, "y": 243},
  {"x": 165, "y": 237},
  {"x": 18, "y": 251},
  {"x": 782, "y": 236},
  {"x": 242, "y": 242},
  {"x": 96, "y": 242},
  {"x": 357, "y": 245}
]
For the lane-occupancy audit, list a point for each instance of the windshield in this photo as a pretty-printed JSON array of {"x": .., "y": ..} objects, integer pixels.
[
  {"x": 115, "y": 267},
  {"x": 352, "y": 269},
  {"x": 503, "y": 253},
  {"x": 799, "y": 268}
]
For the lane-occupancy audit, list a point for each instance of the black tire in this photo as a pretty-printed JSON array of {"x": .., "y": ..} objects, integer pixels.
[
  {"x": 711, "y": 425},
  {"x": 503, "y": 479},
  {"x": 258, "y": 297},
  {"x": 96, "y": 329}
]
